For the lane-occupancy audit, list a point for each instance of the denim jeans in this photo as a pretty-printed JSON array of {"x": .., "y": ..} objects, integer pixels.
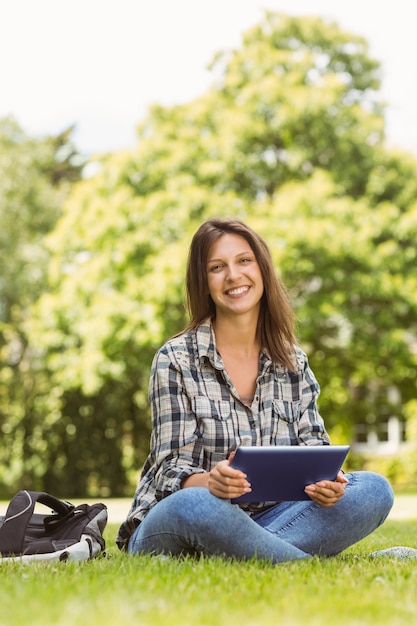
[{"x": 193, "y": 521}]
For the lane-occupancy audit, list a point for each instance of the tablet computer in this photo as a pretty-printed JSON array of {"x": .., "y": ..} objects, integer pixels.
[{"x": 278, "y": 473}]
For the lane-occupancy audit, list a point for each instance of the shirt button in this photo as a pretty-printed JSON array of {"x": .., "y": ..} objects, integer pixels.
[
  {"x": 257, "y": 398},
  {"x": 253, "y": 426}
]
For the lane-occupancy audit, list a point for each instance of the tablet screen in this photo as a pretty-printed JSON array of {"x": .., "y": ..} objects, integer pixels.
[{"x": 279, "y": 473}]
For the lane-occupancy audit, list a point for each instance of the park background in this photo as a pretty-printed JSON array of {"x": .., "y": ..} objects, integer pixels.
[{"x": 116, "y": 142}]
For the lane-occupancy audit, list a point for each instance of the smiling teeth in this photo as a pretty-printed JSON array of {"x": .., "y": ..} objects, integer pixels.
[{"x": 237, "y": 291}]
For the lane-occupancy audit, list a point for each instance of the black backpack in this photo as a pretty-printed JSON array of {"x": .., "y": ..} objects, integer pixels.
[{"x": 69, "y": 532}]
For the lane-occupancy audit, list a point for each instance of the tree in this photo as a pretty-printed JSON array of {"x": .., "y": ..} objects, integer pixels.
[
  {"x": 349, "y": 267},
  {"x": 289, "y": 138},
  {"x": 33, "y": 184}
]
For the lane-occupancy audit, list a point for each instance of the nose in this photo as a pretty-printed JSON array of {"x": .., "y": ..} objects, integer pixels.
[{"x": 232, "y": 272}]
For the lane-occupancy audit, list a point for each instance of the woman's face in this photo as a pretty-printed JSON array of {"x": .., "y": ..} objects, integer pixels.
[{"x": 234, "y": 277}]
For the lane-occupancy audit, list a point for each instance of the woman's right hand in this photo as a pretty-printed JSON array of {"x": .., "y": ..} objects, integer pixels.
[{"x": 227, "y": 482}]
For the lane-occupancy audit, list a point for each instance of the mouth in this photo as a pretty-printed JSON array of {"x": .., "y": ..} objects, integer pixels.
[{"x": 237, "y": 291}]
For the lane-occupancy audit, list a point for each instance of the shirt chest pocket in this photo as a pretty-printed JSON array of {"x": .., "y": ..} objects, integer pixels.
[
  {"x": 284, "y": 423},
  {"x": 206, "y": 409},
  {"x": 215, "y": 427},
  {"x": 288, "y": 411}
]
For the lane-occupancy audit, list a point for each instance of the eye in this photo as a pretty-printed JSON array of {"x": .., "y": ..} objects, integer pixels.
[{"x": 215, "y": 268}]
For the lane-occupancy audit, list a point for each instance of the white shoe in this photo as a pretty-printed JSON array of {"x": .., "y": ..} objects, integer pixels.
[{"x": 399, "y": 552}]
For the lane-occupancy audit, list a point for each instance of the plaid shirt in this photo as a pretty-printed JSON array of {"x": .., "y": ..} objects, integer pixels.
[{"x": 198, "y": 417}]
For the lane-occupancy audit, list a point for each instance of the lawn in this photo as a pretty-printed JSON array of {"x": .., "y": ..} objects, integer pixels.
[{"x": 350, "y": 589}]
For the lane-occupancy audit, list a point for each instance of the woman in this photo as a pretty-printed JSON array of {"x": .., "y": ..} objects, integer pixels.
[{"x": 234, "y": 377}]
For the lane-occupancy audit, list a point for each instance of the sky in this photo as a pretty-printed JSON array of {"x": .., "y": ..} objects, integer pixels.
[{"x": 99, "y": 64}]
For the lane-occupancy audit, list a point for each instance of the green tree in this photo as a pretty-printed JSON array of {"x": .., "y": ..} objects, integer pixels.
[
  {"x": 289, "y": 138},
  {"x": 116, "y": 292},
  {"x": 33, "y": 184},
  {"x": 348, "y": 264}
]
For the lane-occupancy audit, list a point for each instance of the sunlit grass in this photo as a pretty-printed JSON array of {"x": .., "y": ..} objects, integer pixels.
[{"x": 119, "y": 589}]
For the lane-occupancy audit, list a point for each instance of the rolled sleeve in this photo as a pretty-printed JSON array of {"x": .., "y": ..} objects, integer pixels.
[{"x": 177, "y": 440}]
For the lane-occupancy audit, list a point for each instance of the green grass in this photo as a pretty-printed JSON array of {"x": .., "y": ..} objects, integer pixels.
[{"x": 348, "y": 589}]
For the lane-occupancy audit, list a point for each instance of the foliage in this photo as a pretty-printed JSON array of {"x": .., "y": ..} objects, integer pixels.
[
  {"x": 213, "y": 591},
  {"x": 290, "y": 139},
  {"x": 348, "y": 265},
  {"x": 33, "y": 184}
]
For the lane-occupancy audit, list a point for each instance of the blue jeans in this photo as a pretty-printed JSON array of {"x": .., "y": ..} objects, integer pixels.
[{"x": 193, "y": 521}]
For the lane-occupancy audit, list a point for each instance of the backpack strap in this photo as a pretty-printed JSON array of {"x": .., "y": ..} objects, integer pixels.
[{"x": 18, "y": 514}]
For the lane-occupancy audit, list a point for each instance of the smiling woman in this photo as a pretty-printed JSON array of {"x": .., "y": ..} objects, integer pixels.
[{"x": 235, "y": 376}]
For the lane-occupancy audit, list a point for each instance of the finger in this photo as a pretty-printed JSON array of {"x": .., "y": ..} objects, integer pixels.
[
  {"x": 341, "y": 478},
  {"x": 325, "y": 495},
  {"x": 231, "y": 456},
  {"x": 226, "y": 470},
  {"x": 322, "y": 500},
  {"x": 328, "y": 495},
  {"x": 228, "y": 490},
  {"x": 331, "y": 486},
  {"x": 229, "y": 493},
  {"x": 227, "y": 485}
]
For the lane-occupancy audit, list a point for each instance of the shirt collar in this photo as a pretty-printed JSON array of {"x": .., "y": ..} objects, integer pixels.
[{"x": 206, "y": 345}]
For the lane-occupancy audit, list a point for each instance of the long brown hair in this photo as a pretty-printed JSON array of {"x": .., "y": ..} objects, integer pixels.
[{"x": 276, "y": 319}]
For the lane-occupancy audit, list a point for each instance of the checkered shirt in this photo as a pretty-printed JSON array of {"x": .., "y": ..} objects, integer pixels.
[{"x": 198, "y": 417}]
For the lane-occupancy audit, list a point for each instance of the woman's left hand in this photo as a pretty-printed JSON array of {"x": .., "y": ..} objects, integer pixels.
[{"x": 327, "y": 492}]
